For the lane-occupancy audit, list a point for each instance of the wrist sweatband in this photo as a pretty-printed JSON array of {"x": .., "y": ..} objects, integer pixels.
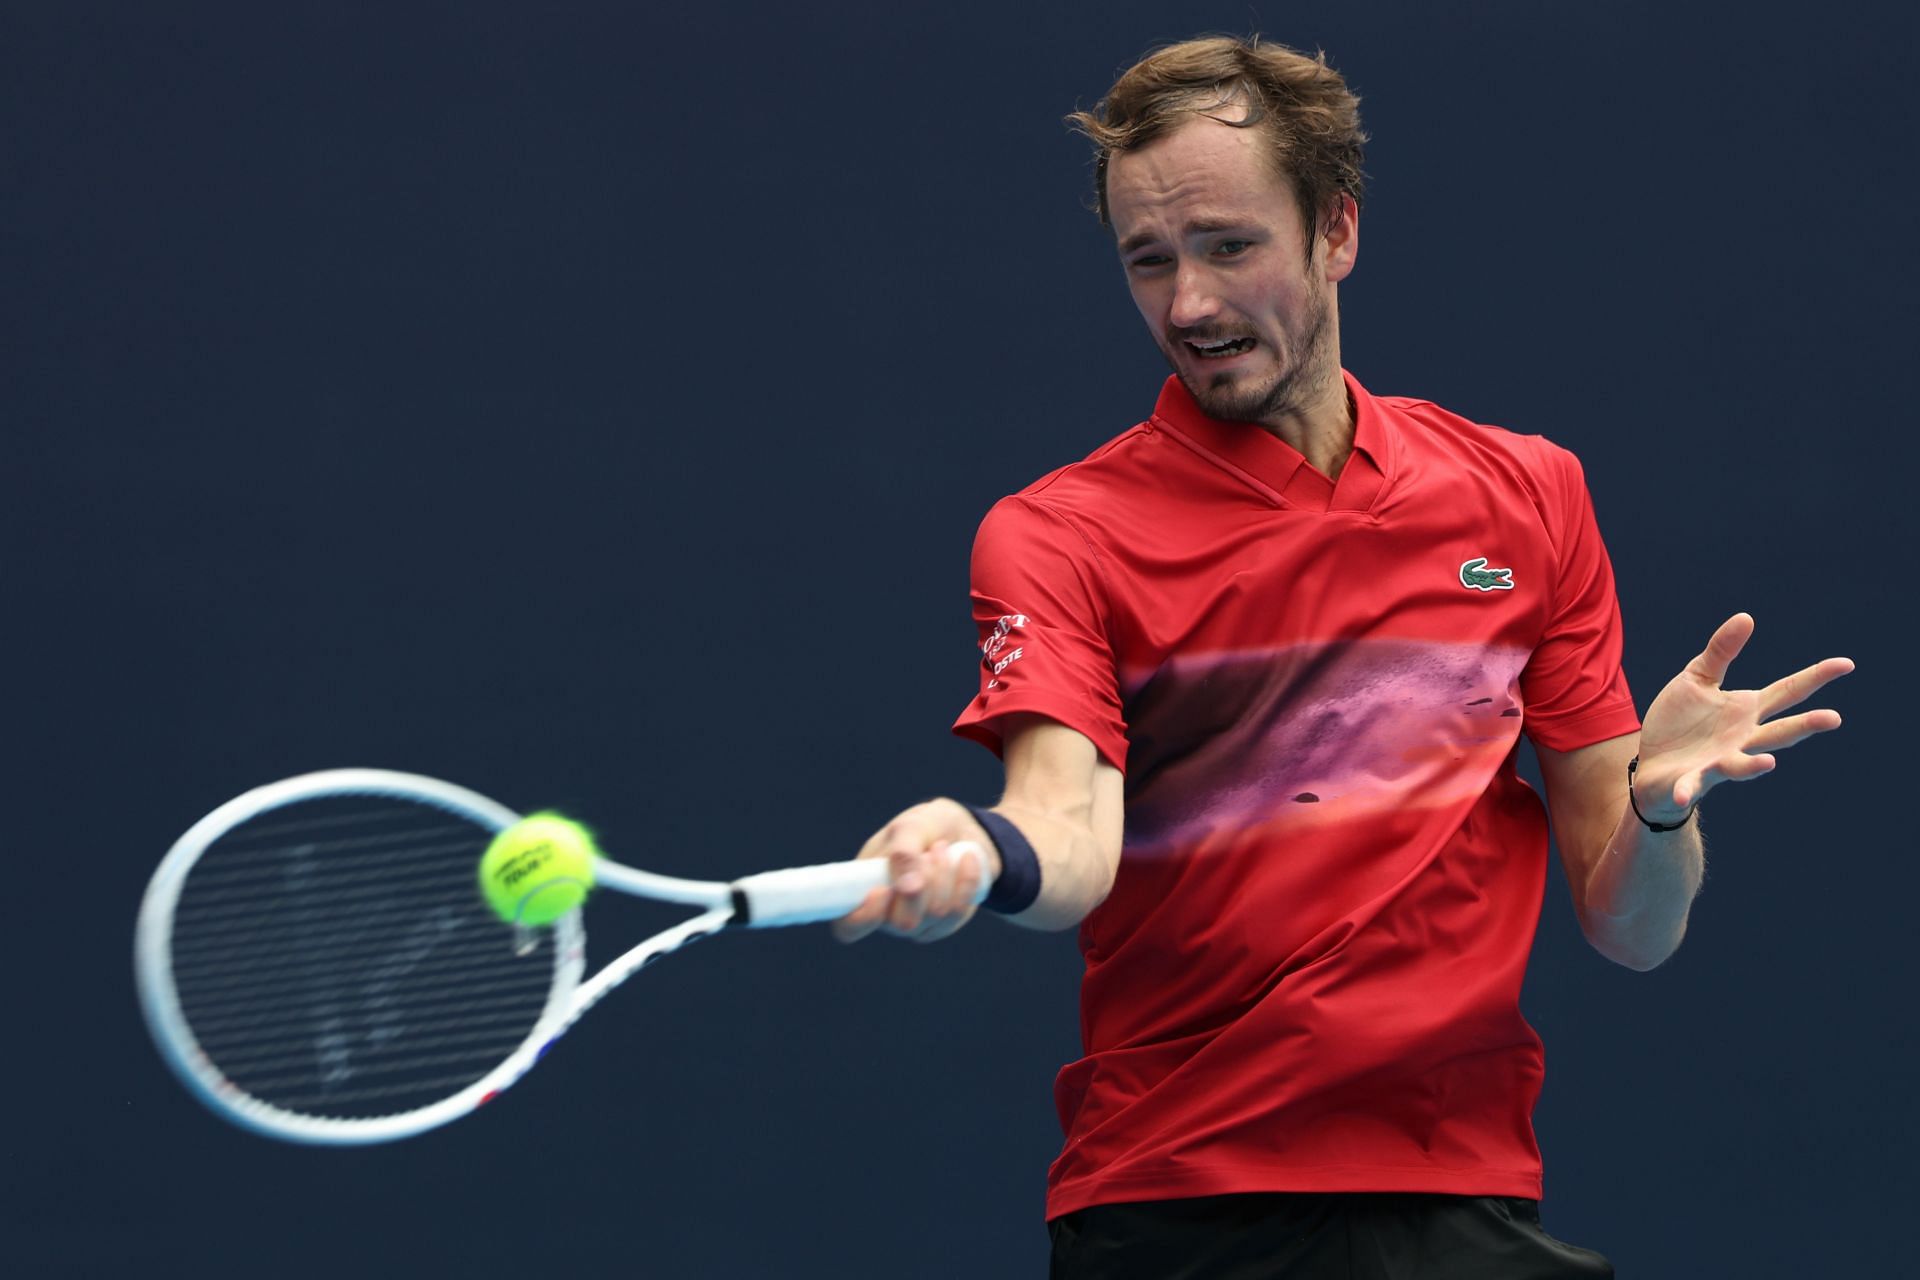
[
  {"x": 1633, "y": 766},
  {"x": 1019, "y": 880}
]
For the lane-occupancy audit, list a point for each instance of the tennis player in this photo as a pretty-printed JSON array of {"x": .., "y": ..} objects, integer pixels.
[{"x": 1258, "y": 669}]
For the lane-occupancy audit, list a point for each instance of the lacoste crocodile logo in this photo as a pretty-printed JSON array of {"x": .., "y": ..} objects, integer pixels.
[{"x": 1475, "y": 574}]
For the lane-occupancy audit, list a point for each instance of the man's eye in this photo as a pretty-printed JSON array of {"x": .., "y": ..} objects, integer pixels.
[
  {"x": 1149, "y": 260},
  {"x": 1231, "y": 248}
]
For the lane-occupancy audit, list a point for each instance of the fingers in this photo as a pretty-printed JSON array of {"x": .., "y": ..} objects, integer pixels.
[
  {"x": 931, "y": 879},
  {"x": 1775, "y": 735},
  {"x": 863, "y": 919},
  {"x": 913, "y": 884},
  {"x": 969, "y": 872},
  {"x": 1727, "y": 642},
  {"x": 902, "y": 836},
  {"x": 931, "y": 892},
  {"x": 1742, "y": 768},
  {"x": 1756, "y": 757},
  {"x": 1733, "y": 736},
  {"x": 1732, "y": 636},
  {"x": 1792, "y": 690}
]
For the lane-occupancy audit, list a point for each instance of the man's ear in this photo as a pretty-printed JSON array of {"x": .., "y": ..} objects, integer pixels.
[{"x": 1340, "y": 239}]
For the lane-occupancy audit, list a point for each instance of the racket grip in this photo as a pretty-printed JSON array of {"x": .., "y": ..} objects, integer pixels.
[{"x": 808, "y": 895}]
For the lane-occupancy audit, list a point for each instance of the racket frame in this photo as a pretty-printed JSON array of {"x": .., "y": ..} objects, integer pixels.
[{"x": 160, "y": 1000}]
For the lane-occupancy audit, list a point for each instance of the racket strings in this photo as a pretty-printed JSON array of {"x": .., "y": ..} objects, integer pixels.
[
  {"x": 258, "y": 980},
  {"x": 349, "y": 1102},
  {"x": 334, "y": 957},
  {"x": 324, "y": 905},
  {"x": 279, "y": 823},
  {"x": 280, "y": 1001},
  {"x": 352, "y": 1066},
  {"x": 371, "y": 876},
  {"x": 466, "y": 1028}
]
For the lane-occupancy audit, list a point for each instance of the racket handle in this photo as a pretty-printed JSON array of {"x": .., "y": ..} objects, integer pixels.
[{"x": 807, "y": 895}]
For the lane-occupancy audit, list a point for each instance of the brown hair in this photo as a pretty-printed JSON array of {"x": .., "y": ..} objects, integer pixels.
[{"x": 1304, "y": 107}]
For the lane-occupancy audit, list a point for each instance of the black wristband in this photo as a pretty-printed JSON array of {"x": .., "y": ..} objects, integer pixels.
[
  {"x": 1633, "y": 766},
  {"x": 1019, "y": 881}
]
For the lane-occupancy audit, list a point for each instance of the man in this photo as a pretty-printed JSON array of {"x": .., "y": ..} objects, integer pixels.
[{"x": 1285, "y": 635}]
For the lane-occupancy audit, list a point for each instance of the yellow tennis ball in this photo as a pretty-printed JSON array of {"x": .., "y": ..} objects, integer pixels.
[{"x": 538, "y": 869}]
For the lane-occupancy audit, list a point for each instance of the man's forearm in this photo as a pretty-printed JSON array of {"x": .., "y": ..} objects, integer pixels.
[
  {"x": 1634, "y": 909},
  {"x": 1075, "y": 876}
]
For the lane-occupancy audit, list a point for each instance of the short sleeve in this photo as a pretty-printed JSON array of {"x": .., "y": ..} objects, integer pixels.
[
  {"x": 1042, "y": 619},
  {"x": 1575, "y": 690}
]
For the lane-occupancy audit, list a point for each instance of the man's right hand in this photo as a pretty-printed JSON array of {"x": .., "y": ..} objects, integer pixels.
[
  {"x": 932, "y": 889},
  {"x": 1064, "y": 800}
]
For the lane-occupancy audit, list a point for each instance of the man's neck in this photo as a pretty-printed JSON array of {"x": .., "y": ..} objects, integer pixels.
[{"x": 1320, "y": 430}]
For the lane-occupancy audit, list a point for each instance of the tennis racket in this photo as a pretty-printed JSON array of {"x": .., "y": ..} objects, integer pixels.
[{"x": 317, "y": 964}]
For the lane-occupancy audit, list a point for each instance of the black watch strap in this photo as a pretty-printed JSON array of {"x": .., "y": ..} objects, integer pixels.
[{"x": 1633, "y": 767}]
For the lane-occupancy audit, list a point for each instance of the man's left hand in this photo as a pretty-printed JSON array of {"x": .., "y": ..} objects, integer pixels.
[{"x": 1697, "y": 735}]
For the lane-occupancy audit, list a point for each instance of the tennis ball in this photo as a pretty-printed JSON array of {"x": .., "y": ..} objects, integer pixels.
[{"x": 538, "y": 869}]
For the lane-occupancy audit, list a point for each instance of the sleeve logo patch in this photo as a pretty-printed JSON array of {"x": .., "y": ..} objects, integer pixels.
[
  {"x": 1475, "y": 575},
  {"x": 993, "y": 650}
]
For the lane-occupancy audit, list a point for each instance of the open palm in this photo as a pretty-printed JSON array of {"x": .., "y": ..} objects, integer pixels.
[{"x": 1697, "y": 735}]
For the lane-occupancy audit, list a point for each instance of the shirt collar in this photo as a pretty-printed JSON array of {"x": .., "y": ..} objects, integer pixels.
[{"x": 1278, "y": 469}]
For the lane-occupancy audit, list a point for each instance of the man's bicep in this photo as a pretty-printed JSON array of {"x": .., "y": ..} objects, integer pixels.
[
  {"x": 1057, "y": 771},
  {"x": 1586, "y": 795}
]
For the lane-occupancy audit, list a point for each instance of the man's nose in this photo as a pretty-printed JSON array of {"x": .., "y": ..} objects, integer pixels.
[{"x": 1194, "y": 301}]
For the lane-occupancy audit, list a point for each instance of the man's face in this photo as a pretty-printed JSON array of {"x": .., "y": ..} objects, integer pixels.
[{"x": 1216, "y": 257}]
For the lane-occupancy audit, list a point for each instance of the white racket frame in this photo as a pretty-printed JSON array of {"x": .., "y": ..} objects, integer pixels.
[{"x": 796, "y": 895}]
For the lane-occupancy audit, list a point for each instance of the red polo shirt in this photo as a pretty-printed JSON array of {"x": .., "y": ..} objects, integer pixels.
[{"x": 1307, "y": 975}]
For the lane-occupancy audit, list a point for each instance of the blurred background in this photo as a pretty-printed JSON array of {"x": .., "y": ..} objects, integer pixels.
[{"x": 594, "y": 403}]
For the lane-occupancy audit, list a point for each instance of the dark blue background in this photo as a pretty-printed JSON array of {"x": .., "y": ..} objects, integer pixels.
[{"x": 594, "y": 404}]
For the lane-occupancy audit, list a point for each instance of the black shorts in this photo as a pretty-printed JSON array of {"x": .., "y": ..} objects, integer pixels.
[{"x": 1318, "y": 1236}]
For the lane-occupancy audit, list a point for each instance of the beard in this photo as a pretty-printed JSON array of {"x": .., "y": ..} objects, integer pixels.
[{"x": 1304, "y": 375}]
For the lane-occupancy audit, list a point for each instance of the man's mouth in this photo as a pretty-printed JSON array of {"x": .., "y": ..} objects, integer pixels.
[{"x": 1221, "y": 348}]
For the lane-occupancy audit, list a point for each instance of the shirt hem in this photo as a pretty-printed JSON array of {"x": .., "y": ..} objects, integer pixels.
[
  {"x": 1121, "y": 1188},
  {"x": 1585, "y": 730},
  {"x": 985, "y": 730}
]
